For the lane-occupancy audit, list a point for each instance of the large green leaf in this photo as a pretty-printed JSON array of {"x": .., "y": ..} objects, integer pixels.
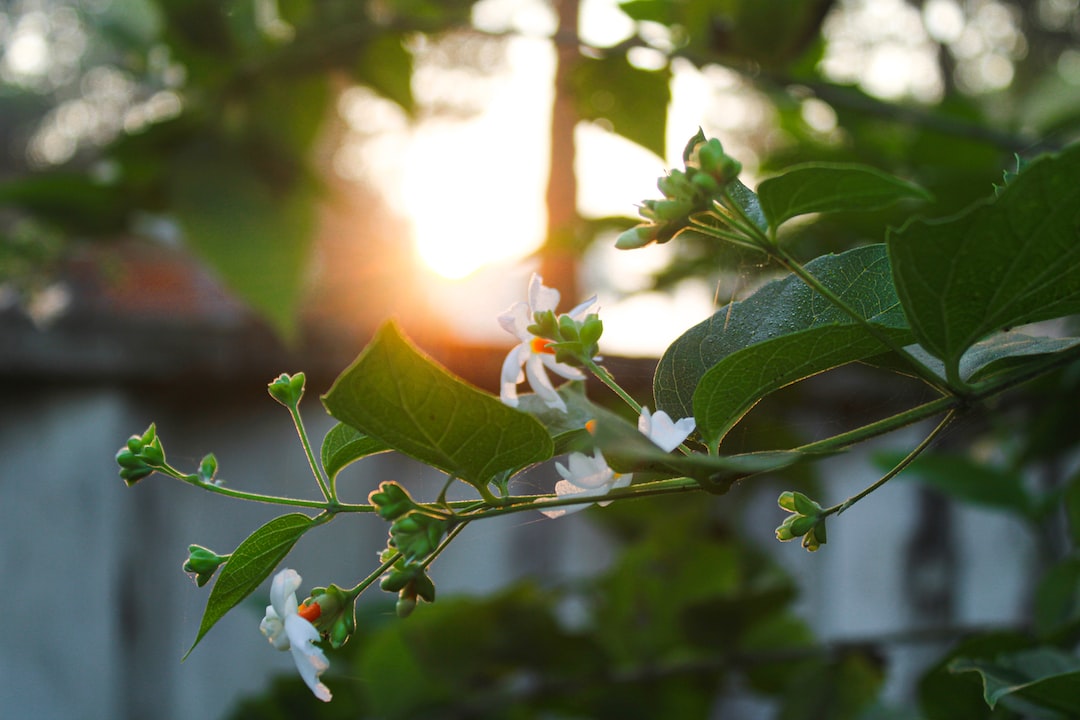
[
  {"x": 396, "y": 394},
  {"x": 1006, "y": 262},
  {"x": 344, "y": 445},
  {"x": 1044, "y": 677},
  {"x": 632, "y": 100},
  {"x": 782, "y": 333},
  {"x": 250, "y": 564},
  {"x": 831, "y": 187}
]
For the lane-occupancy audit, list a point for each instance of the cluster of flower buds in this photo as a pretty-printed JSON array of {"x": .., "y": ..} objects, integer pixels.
[
  {"x": 570, "y": 338},
  {"x": 807, "y": 520},
  {"x": 411, "y": 582},
  {"x": 686, "y": 192},
  {"x": 141, "y": 456}
]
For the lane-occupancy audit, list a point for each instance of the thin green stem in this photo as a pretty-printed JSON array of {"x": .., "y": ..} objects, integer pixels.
[
  {"x": 326, "y": 487},
  {"x": 919, "y": 449},
  {"x": 453, "y": 533},
  {"x": 880, "y": 427},
  {"x": 375, "y": 575},
  {"x": 193, "y": 479},
  {"x": 522, "y": 503},
  {"x": 605, "y": 377}
]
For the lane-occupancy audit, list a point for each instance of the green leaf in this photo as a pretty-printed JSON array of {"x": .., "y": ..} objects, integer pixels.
[
  {"x": 386, "y": 67},
  {"x": 831, "y": 187},
  {"x": 1057, "y": 597},
  {"x": 396, "y": 394},
  {"x": 632, "y": 100},
  {"x": 965, "y": 479},
  {"x": 250, "y": 564},
  {"x": 345, "y": 444},
  {"x": 1044, "y": 677},
  {"x": 997, "y": 352},
  {"x": 782, "y": 333},
  {"x": 1009, "y": 261},
  {"x": 255, "y": 235},
  {"x": 565, "y": 428}
]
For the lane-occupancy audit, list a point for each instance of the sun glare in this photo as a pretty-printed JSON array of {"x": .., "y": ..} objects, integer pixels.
[{"x": 467, "y": 209}]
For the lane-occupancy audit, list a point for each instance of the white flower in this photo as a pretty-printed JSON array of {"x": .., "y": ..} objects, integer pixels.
[
  {"x": 585, "y": 477},
  {"x": 662, "y": 431},
  {"x": 529, "y": 358},
  {"x": 287, "y": 630}
]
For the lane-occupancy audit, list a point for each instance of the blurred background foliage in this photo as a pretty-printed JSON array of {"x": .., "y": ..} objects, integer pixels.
[{"x": 213, "y": 126}]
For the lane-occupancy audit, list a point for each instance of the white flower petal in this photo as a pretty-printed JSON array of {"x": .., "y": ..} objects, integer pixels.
[
  {"x": 310, "y": 660},
  {"x": 512, "y": 374},
  {"x": 516, "y": 320},
  {"x": 541, "y": 297},
  {"x": 274, "y": 629},
  {"x": 580, "y": 311},
  {"x": 567, "y": 371},
  {"x": 283, "y": 592},
  {"x": 541, "y": 383},
  {"x": 664, "y": 433}
]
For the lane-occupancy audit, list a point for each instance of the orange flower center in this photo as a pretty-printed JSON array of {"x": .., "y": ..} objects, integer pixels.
[
  {"x": 309, "y": 611},
  {"x": 540, "y": 345},
  {"x": 591, "y": 427}
]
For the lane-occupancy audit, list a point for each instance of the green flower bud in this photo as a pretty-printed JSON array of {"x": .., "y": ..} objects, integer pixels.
[
  {"x": 815, "y": 538},
  {"x": 416, "y": 535},
  {"x": 140, "y": 456},
  {"x": 406, "y": 602},
  {"x": 546, "y": 325},
  {"x": 391, "y": 501},
  {"x": 692, "y": 144},
  {"x": 208, "y": 468},
  {"x": 287, "y": 389},
  {"x": 336, "y": 616},
  {"x": 203, "y": 562},
  {"x": 796, "y": 502},
  {"x": 636, "y": 237}
]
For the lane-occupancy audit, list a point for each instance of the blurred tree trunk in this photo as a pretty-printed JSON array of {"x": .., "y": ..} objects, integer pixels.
[{"x": 559, "y": 256}]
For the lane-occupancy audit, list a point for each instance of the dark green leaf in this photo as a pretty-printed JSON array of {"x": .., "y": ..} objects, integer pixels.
[
  {"x": 1006, "y": 262},
  {"x": 255, "y": 235},
  {"x": 565, "y": 428},
  {"x": 827, "y": 187},
  {"x": 345, "y": 444},
  {"x": 782, "y": 333},
  {"x": 250, "y": 564},
  {"x": 1044, "y": 677},
  {"x": 396, "y": 394},
  {"x": 995, "y": 353},
  {"x": 632, "y": 100},
  {"x": 1057, "y": 597},
  {"x": 386, "y": 67}
]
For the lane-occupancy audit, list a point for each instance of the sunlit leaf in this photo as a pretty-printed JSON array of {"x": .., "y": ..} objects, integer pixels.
[
  {"x": 1006, "y": 262},
  {"x": 395, "y": 393},
  {"x": 344, "y": 445},
  {"x": 251, "y": 563},
  {"x": 824, "y": 187}
]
